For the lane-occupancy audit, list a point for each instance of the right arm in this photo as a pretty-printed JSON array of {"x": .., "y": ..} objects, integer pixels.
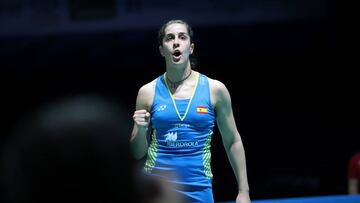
[{"x": 141, "y": 117}]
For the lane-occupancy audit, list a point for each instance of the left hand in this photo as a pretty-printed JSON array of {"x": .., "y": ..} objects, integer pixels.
[{"x": 243, "y": 197}]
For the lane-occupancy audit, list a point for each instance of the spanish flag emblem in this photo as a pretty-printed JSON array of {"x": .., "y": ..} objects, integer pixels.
[{"x": 201, "y": 109}]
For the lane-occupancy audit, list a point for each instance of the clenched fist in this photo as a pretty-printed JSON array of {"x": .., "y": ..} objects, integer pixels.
[{"x": 141, "y": 118}]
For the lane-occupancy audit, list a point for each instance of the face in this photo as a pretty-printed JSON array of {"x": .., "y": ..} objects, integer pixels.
[{"x": 176, "y": 46}]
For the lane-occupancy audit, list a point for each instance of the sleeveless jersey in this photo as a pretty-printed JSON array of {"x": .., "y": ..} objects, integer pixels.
[{"x": 179, "y": 150}]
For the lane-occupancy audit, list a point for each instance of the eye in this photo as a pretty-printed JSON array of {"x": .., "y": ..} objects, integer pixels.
[
  {"x": 168, "y": 38},
  {"x": 183, "y": 37}
]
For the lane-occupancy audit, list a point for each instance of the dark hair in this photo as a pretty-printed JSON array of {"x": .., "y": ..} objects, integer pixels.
[{"x": 193, "y": 60}]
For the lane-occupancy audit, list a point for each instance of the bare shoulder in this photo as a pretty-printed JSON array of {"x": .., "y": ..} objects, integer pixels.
[
  {"x": 217, "y": 87},
  {"x": 145, "y": 95},
  {"x": 147, "y": 88},
  {"x": 218, "y": 91}
]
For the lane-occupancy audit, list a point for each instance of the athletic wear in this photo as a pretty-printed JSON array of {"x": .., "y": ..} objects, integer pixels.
[{"x": 180, "y": 147}]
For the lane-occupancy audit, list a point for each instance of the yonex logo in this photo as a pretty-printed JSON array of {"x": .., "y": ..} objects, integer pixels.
[{"x": 161, "y": 108}]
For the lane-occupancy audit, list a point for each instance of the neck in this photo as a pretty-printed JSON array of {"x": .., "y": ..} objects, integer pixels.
[
  {"x": 176, "y": 74},
  {"x": 174, "y": 84}
]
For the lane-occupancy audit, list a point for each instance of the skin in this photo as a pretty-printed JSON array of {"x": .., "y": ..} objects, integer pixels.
[{"x": 177, "y": 68}]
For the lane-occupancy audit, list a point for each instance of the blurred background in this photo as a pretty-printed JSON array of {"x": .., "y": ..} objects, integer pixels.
[{"x": 295, "y": 108}]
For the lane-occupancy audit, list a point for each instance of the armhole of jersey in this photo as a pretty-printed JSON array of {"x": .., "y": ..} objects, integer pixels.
[
  {"x": 153, "y": 99},
  {"x": 210, "y": 100},
  {"x": 151, "y": 129}
]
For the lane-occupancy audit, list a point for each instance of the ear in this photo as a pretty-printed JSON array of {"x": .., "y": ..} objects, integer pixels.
[
  {"x": 192, "y": 46},
  {"x": 161, "y": 50}
]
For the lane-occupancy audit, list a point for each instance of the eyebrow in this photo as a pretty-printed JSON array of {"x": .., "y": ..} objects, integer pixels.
[
  {"x": 183, "y": 33},
  {"x": 180, "y": 33}
]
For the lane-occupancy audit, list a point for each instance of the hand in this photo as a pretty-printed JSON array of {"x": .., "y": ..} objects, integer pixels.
[
  {"x": 243, "y": 197},
  {"x": 141, "y": 118}
]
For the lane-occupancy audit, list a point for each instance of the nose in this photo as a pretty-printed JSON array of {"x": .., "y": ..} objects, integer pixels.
[{"x": 176, "y": 43}]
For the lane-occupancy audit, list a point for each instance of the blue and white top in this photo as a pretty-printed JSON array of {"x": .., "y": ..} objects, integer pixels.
[{"x": 180, "y": 144}]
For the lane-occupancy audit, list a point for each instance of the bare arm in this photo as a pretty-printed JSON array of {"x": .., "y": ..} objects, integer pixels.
[
  {"x": 231, "y": 138},
  {"x": 141, "y": 117}
]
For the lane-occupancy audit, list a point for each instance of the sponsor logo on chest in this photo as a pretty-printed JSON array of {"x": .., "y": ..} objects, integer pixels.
[{"x": 171, "y": 141}]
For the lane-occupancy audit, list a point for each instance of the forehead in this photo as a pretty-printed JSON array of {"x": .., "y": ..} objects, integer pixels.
[{"x": 176, "y": 28}]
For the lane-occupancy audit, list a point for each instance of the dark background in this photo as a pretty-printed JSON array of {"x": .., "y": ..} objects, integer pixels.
[{"x": 294, "y": 104}]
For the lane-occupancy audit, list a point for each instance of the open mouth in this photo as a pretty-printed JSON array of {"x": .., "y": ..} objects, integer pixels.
[{"x": 176, "y": 55}]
